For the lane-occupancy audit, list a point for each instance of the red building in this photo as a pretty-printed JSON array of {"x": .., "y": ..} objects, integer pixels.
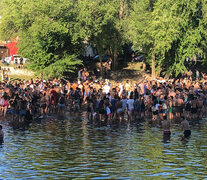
[
  {"x": 9, "y": 48},
  {"x": 12, "y": 48}
]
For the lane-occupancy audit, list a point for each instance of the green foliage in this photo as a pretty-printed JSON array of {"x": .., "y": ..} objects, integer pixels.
[
  {"x": 179, "y": 32},
  {"x": 139, "y": 27},
  {"x": 45, "y": 29},
  {"x": 96, "y": 20},
  {"x": 171, "y": 29},
  {"x": 101, "y": 23},
  {"x": 51, "y": 31},
  {"x": 62, "y": 68}
]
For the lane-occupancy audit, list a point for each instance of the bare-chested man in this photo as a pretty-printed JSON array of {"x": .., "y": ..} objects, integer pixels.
[
  {"x": 194, "y": 107},
  {"x": 200, "y": 107},
  {"x": 1, "y": 134},
  {"x": 179, "y": 106},
  {"x": 166, "y": 129},
  {"x": 185, "y": 127},
  {"x": 166, "y": 126},
  {"x": 118, "y": 114}
]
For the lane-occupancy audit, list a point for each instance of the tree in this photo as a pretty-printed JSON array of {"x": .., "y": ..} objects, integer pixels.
[
  {"x": 102, "y": 23},
  {"x": 140, "y": 29},
  {"x": 45, "y": 29},
  {"x": 179, "y": 30},
  {"x": 95, "y": 23},
  {"x": 118, "y": 35},
  {"x": 171, "y": 30}
]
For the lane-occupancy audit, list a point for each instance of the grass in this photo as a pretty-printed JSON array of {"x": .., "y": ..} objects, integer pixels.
[
  {"x": 131, "y": 71},
  {"x": 16, "y": 76},
  {"x": 20, "y": 77},
  {"x": 134, "y": 66}
]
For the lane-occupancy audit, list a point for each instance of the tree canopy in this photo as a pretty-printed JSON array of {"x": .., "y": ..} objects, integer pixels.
[
  {"x": 52, "y": 32},
  {"x": 46, "y": 33},
  {"x": 172, "y": 30}
]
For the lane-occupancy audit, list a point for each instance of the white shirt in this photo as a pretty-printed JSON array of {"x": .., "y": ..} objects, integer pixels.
[
  {"x": 106, "y": 89},
  {"x": 157, "y": 106},
  {"x": 130, "y": 103},
  {"x": 124, "y": 103},
  {"x": 108, "y": 111}
]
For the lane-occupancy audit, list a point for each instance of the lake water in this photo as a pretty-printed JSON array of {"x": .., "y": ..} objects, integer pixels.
[{"x": 74, "y": 149}]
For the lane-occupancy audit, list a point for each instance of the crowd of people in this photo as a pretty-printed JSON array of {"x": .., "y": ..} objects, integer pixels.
[{"x": 156, "y": 100}]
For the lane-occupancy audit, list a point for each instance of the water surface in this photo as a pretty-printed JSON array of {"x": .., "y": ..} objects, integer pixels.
[{"x": 75, "y": 149}]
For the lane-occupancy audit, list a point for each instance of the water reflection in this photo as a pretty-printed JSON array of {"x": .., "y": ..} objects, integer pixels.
[{"x": 64, "y": 149}]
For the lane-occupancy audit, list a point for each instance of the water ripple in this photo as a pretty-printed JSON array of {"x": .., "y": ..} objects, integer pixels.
[{"x": 76, "y": 150}]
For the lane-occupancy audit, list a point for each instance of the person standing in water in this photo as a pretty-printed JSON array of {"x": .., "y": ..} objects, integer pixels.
[
  {"x": 166, "y": 129},
  {"x": 1, "y": 134},
  {"x": 166, "y": 126},
  {"x": 185, "y": 127}
]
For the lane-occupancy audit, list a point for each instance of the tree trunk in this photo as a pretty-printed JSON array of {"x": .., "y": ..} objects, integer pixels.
[
  {"x": 101, "y": 62},
  {"x": 115, "y": 59},
  {"x": 143, "y": 66},
  {"x": 153, "y": 66},
  {"x": 121, "y": 11},
  {"x": 167, "y": 75},
  {"x": 158, "y": 71},
  {"x": 100, "y": 53}
]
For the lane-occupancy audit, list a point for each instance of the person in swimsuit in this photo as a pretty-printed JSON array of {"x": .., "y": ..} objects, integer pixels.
[
  {"x": 179, "y": 107},
  {"x": 185, "y": 127},
  {"x": 200, "y": 107},
  {"x": 155, "y": 109},
  {"x": 188, "y": 109},
  {"x": 1, "y": 135},
  {"x": 166, "y": 129},
  {"x": 137, "y": 108},
  {"x": 130, "y": 107},
  {"x": 170, "y": 110},
  {"x": 2, "y": 102},
  {"x": 194, "y": 108},
  {"x": 119, "y": 109},
  {"x": 48, "y": 98},
  {"x": 61, "y": 104},
  {"x": 43, "y": 104},
  {"x": 166, "y": 126},
  {"x": 6, "y": 103}
]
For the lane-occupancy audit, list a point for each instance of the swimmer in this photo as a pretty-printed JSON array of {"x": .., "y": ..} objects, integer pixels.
[{"x": 185, "y": 127}]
